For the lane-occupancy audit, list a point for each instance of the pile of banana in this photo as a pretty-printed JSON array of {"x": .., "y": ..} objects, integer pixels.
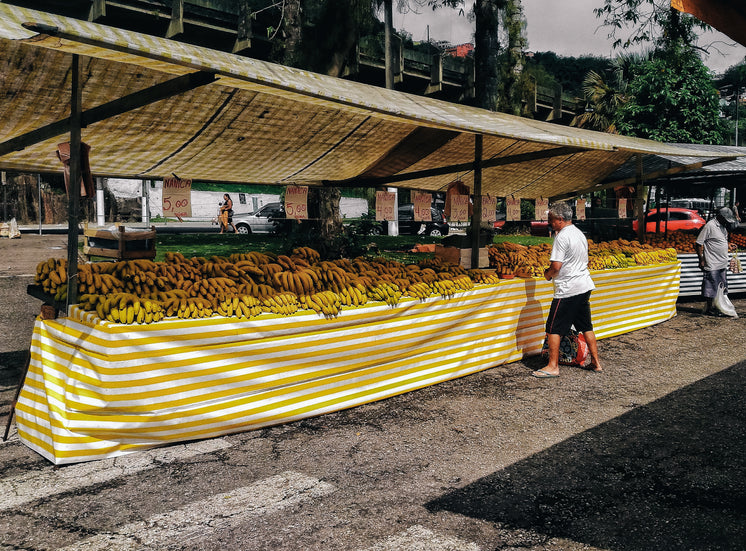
[{"x": 248, "y": 284}]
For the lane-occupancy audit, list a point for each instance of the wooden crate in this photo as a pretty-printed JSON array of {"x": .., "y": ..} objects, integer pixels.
[
  {"x": 454, "y": 255},
  {"x": 120, "y": 245}
]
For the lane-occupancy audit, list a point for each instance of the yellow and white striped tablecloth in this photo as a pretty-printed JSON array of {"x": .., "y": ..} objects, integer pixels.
[{"x": 97, "y": 389}]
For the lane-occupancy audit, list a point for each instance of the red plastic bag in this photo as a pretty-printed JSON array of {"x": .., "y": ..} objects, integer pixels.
[{"x": 573, "y": 349}]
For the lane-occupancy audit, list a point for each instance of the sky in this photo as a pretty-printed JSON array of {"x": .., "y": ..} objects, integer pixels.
[{"x": 566, "y": 27}]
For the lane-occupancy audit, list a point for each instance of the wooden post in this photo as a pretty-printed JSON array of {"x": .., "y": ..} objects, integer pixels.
[
  {"x": 639, "y": 212},
  {"x": 476, "y": 218},
  {"x": 388, "y": 32},
  {"x": 73, "y": 200}
]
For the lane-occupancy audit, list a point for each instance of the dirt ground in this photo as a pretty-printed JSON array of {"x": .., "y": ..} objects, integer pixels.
[{"x": 648, "y": 455}]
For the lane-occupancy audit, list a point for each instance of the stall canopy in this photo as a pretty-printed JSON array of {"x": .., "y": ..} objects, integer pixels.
[
  {"x": 153, "y": 107},
  {"x": 727, "y": 16}
]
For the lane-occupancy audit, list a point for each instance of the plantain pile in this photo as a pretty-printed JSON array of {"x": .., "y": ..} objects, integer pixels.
[{"x": 246, "y": 285}]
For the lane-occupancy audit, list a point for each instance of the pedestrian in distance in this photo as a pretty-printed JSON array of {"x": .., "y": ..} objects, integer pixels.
[
  {"x": 568, "y": 271},
  {"x": 226, "y": 214},
  {"x": 711, "y": 247}
]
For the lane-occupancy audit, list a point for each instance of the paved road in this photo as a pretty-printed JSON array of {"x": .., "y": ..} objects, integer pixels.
[{"x": 648, "y": 455}]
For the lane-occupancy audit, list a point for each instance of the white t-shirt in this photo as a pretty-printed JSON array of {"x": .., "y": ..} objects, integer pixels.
[
  {"x": 714, "y": 240},
  {"x": 571, "y": 248}
]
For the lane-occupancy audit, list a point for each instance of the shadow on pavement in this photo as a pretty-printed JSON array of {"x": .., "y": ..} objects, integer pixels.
[{"x": 668, "y": 475}]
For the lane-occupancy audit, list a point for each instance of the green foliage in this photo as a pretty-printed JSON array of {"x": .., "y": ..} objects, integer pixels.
[
  {"x": 569, "y": 72},
  {"x": 671, "y": 98}
]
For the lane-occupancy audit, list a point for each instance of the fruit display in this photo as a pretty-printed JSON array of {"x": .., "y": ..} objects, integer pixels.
[
  {"x": 738, "y": 240},
  {"x": 245, "y": 285},
  {"x": 683, "y": 242},
  {"x": 531, "y": 260}
]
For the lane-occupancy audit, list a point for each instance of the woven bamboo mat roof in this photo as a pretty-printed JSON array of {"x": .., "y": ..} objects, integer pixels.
[{"x": 264, "y": 123}]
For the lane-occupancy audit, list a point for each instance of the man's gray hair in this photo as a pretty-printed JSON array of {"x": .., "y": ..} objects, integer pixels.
[{"x": 561, "y": 210}]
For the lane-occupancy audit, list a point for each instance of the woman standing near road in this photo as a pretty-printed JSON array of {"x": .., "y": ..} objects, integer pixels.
[{"x": 226, "y": 214}]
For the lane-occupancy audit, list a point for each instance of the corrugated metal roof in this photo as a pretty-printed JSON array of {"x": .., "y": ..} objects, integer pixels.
[{"x": 265, "y": 123}]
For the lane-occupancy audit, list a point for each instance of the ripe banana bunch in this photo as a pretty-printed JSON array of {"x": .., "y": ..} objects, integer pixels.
[
  {"x": 481, "y": 277},
  {"x": 306, "y": 253},
  {"x": 419, "y": 289},
  {"x": 463, "y": 282},
  {"x": 386, "y": 292},
  {"x": 299, "y": 282},
  {"x": 444, "y": 287},
  {"x": 51, "y": 274},
  {"x": 281, "y": 303},
  {"x": 327, "y": 303},
  {"x": 353, "y": 295},
  {"x": 90, "y": 282},
  {"x": 123, "y": 308},
  {"x": 242, "y": 307}
]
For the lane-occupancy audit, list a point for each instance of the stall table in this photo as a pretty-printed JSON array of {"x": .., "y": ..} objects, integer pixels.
[
  {"x": 98, "y": 389},
  {"x": 691, "y": 276}
]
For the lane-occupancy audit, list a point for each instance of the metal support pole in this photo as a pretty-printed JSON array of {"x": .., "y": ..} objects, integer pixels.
[
  {"x": 5, "y": 196},
  {"x": 38, "y": 185},
  {"x": 73, "y": 209},
  {"x": 476, "y": 218}
]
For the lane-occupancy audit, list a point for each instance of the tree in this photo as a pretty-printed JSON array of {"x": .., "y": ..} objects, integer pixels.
[{"x": 671, "y": 98}]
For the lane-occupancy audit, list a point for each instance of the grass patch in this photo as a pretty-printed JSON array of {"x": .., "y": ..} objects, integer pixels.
[{"x": 522, "y": 239}]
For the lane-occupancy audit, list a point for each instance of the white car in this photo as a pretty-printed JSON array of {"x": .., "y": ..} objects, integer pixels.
[{"x": 261, "y": 221}]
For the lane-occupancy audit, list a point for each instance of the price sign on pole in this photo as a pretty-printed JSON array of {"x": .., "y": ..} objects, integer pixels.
[
  {"x": 422, "y": 202},
  {"x": 580, "y": 209},
  {"x": 542, "y": 206},
  {"x": 385, "y": 201},
  {"x": 460, "y": 208},
  {"x": 513, "y": 208},
  {"x": 489, "y": 208},
  {"x": 622, "y": 208},
  {"x": 296, "y": 202},
  {"x": 177, "y": 198}
]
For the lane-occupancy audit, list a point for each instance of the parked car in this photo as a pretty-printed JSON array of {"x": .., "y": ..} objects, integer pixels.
[
  {"x": 263, "y": 220},
  {"x": 678, "y": 219},
  {"x": 437, "y": 226}
]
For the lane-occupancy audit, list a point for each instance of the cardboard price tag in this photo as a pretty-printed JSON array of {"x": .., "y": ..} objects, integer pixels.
[
  {"x": 580, "y": 209},
  {"x": 541, "y": 209},
  {"x": 513, "y": 208},
  {"x": 296, "y": 202},
  {"x": 460, "y": 208},
  {"x": 177, "y": 198},
  {"x": 385, "y": 202},
  {"x": 622, "y": 208},
  {"x": 489, "y": 208},
  {"x": 422, "y": 202}
]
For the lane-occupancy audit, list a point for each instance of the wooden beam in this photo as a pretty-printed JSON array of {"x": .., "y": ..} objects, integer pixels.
[
  {"x": 73, "y": 188},
  {"x": 453, "y": 169},
  {"x": 476, "y": 217},
  {"x": 111, "y": 109},
  {"x": 176, "y": 27}
]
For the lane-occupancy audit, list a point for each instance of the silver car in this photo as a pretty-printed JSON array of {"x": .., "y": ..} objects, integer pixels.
[{"x": 261, "y": 221}]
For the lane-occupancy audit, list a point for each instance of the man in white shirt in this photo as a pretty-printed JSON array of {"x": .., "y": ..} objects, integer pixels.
[
  {"x": 711, "y": 247},
  {"x": 568, "y": 270}
]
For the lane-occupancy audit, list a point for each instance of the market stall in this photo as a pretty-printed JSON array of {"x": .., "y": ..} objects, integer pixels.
[
  {"x": 691, "y": 276},
  {"x": 99, "y": 389}
]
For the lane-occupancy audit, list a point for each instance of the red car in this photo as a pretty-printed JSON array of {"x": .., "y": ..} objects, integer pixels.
[{"x": 678, "y": 219}]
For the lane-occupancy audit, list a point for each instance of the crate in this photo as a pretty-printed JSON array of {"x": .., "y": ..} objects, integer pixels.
[
  {"x": 462, "y": 257},
  {"x": 120, "y": 244}
]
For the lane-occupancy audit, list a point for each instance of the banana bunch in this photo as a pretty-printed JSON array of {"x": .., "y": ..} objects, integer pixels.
[
  {"x": 481, "y": 277},
  {"x": 386, "y": 292},
  {"x": 242, "y": 307},
  {"x": 123, "y": 308},
  {"x": 353, "y": 295},
  {"x": 258, "y": 290},
  {"x": 51, "y": 274},
  {"x": 95, "y": 283},
  {"x": 212, "y": 287},
  {"x": 418, "y": 289},
  {"x": 444, "y": 287},
  {"x": 463, "y": 282},
  {"x": 281, "y": 303},
  {"x": 299, "y": 281},
  {"x": 327, "y": 303},
  {"x": 306, "y": 253}
]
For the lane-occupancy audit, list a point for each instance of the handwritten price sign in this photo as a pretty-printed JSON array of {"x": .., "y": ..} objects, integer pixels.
[
  {"x": 489, "y": 208},
  {"x": 460, "y": 208},
  {"x": 622, "y": 208},
  {"x": 177, "y": 198},
  {"x": 422, "y": 202},
  {"x": 296, "y": 202},
  {"x": 542, "y": 206},
  {"x": 580, "y": 209},
  {"x": 513, "y": 206},
  {"x": 385, "y": 201}
]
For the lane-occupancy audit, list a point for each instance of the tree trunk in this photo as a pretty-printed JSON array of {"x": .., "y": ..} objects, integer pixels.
[{"x": 486, "y": 49}]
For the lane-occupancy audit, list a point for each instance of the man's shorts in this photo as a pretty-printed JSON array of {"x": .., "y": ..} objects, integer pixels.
[
  {"x": 568, "y": 311},
  {"x": 711, "y": 280}
]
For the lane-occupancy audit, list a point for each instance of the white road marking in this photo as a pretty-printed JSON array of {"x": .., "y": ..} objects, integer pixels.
[
  {"x": 202, "y": 519},
  {"x": 419, "y": 538},
  {"x": 28, "y": 487}
]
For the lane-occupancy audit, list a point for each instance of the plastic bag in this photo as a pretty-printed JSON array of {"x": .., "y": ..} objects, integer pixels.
[
  {"x": 723, "y": 303},
  {"x": 14, "y": 232},
  {"x": 573, "y": 349}
]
